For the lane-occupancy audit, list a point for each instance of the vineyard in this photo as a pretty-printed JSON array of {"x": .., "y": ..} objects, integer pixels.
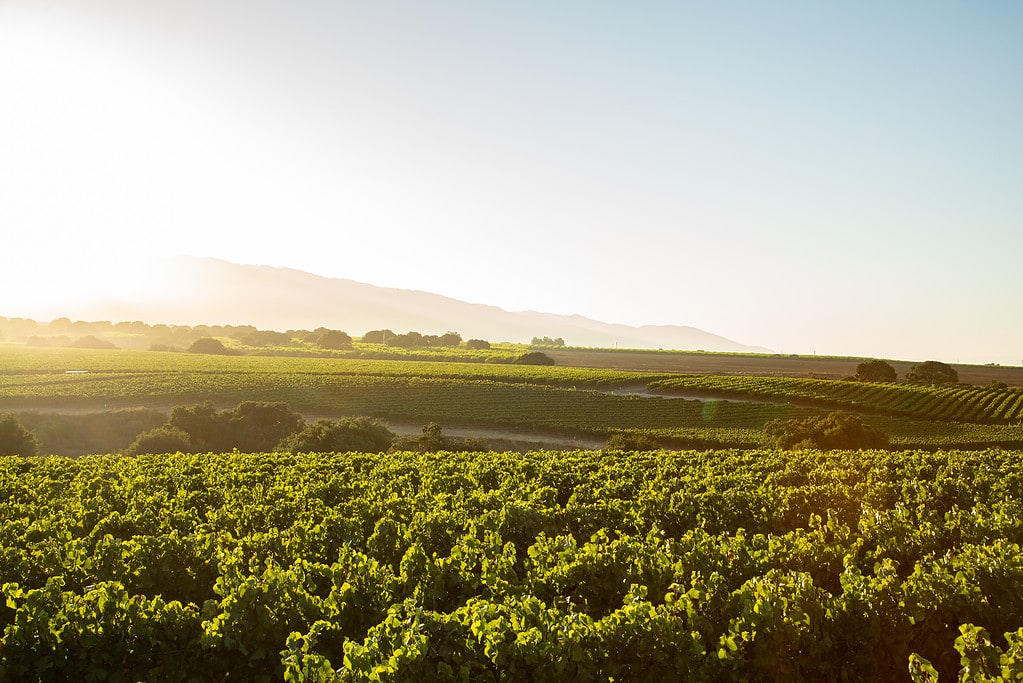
[
  {"x": 560, "y": 401},
  {"x": 664, "y": 566},
  {"x": 957, "y": 403}
]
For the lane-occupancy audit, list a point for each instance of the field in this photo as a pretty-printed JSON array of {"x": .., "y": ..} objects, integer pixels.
[
  {"x": 753, "y": 565},
  {"x": 557, "y": 401},
  {"x": 672, "y": 565}
]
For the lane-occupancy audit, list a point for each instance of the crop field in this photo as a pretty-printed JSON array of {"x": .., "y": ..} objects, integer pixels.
[
  {"x": 756, "y": 565},
  {"x": 740, "y": 564},
  {"x": 956, "y": 403},
  {"x": 774, "y": 365},
  {"x": 550, "y": 399},
  {"x": 547, "y": 399}
]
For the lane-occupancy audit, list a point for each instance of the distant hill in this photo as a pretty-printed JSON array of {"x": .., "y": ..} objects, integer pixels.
[{"x": 211, "y": 291}]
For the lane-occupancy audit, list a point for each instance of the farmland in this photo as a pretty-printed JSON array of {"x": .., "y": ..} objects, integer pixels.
[
  {"x": 699, "y": 564},
  {"x": 754, "y": 565},
  {"x": 555, "y": 400}
]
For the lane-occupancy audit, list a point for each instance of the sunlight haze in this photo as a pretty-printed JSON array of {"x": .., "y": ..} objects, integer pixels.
[{"x": 810, "y": 178}]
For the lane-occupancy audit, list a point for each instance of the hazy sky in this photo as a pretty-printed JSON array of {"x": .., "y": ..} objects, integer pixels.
[{"x": 839, "y": 177}]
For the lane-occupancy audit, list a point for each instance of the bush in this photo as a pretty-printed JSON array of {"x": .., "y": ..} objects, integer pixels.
[
  {"x": 631, "y": 442},
  {"x": 834, "y": 431},
  {"x": 477, "y": 344},
  {"x": 932, "y": 372},
  {"x": 433, "y": 440},
  {"x": 875, "y": 371},
  {"x": 534, "y": 358},
  {"x": 91, "y": 342},
  {"x": 15, "y": 439},
  {"x": 351, "y": 434},
  {"x": 165, "y": 439},
  {"x": 252, "y": 426},
  {"x": 208, "y": 345},
  {"x": 334, "y": 340}
]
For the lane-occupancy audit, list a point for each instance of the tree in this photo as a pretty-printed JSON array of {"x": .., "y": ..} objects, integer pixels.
[
  {"x": 833, "y": 431},
  {"x": 433, "y": 440},
  {"x": 534, "y": 358},
  {"x": 252, "y": 426},
  {"x": 547, "y": 341},
  {"x": 165, "y": 439},
  {"x": 477, "y": 344},
  {"x": 378, "y": 337},
  {"x": 350, "y": 434},
  {"x": 875, "y": 371},
  {"x": 15, "y": 439},
  {"x": 91, "y": 342},
  {"x": 334, "y": 340},
  {"x": 208, "y": 345},
  {"x": 932, "y": 372},
  {"x": 264, "y": 338},
  {"x": 449, "y": 339}
]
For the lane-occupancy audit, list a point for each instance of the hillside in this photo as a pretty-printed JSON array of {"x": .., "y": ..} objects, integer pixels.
[{"x": 210, "y": 291}]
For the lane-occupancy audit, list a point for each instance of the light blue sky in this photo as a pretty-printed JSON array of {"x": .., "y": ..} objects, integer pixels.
[{"x": 833, "y": 177}]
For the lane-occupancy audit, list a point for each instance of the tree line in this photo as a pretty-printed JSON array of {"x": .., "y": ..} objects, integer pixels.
[{"x": 255, "y": 427}]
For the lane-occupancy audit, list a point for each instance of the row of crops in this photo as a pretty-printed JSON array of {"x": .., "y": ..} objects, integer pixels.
[
  {"x": 956, "y": 403},
  {"x": 551, "y": 566},
  {"x": 550, "y": 400}
]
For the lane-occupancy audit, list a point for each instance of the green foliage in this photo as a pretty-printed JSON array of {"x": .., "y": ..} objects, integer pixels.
[
  {"x": 949, "y": 402},
  {"x": 631, "y": 442},
  {"x": 165, "y": 439},
  {"x": 350, "y": 434},
  {"x": 477, "y": 344},
  {"x": 265, "y": 338},
  {"x": 875, "y": 371},
  {"x": 251, "y": 425},
  {"x": 825, "y": 432},
  {"x": 378, "y": 336},
  {"x": 534, "y": 358},
  {"x": 91, "y": 342},
  {"x": 730, "y": 565},
  {"x": 547, "y": 341},
  {"x": 15, "y": 439},
  {"x": 932, "y": 372},
  {"x": 433, "y": 440},
  {"x": 334, "y": 339},
  {"x": 208, "y": 345}
]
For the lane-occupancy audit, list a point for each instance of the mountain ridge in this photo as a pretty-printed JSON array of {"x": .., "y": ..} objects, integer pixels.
[{"x": 213, "y": 291}]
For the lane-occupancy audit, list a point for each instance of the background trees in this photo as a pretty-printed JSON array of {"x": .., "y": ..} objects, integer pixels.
[
  {"x": 348, "y": 434},
  {"x": 834, "y": 431},
  {"x": 208, "y": 345},
  {"x": 251, "y": 426},
  {"x": 932, "y": 372},
  {"x": 875, "y": 371},
  {"x": 15, "y": 439}
]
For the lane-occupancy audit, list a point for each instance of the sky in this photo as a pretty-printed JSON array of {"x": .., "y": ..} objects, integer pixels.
[{"x": 835, "y": 178}]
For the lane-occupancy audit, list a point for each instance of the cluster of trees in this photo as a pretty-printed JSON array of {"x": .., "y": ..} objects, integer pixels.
[
  {"x": 834, "y": 431},
  {"x": 928, "y": 372},
  {"x": 255, "y": 427},
  {"x": 547, "y": 341},
  {"x": 15, "y": 439},
  {"x": 412, "y": 339}
]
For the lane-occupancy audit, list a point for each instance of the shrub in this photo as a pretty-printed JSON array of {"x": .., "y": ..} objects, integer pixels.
[
  {"x": 534, "y": 358},
  {"x": 358, "y": 434},
  {"x": 833, "y": 431},
  {"x": 15, "y": 439},
  {"x": 165, "y": 439},
  {"x": 875, "y": 371},
  {"x": 208, "y": 345}
]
